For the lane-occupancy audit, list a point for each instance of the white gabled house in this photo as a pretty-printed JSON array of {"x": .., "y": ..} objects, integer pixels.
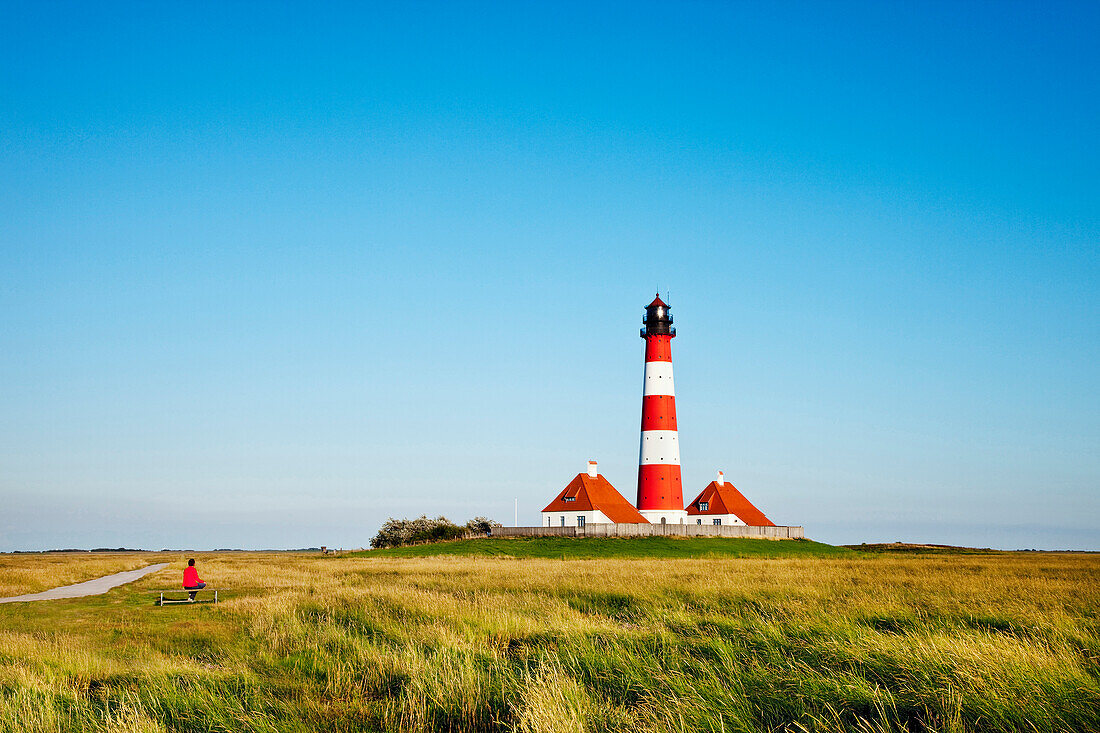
[
  {"x": 590, "y": 499},
  {"x": 721, "y": 503}
]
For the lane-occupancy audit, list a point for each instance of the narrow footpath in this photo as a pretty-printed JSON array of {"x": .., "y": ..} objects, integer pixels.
[{"x": 89, "y": 587}]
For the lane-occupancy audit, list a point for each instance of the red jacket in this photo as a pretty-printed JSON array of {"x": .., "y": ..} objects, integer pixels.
[{"x": 191, "y": 577}]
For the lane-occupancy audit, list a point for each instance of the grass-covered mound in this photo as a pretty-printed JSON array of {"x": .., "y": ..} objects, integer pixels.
[
  {"x": 921, "y": 549},
  {"x": 570, "y": 548}
]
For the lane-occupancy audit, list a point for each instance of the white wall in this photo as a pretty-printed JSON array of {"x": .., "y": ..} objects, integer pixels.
[
  {"x": 553, "y": 519},
  {"x": 727, "y": 519},
  {"x": 672, "y": 516},
  {"x": 654, "y": 530}
]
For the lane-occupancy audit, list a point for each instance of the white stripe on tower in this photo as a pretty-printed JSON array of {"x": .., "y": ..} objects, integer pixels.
[
  {"x": 660, "y": 446},
  {"x": 658, "y": 379}
]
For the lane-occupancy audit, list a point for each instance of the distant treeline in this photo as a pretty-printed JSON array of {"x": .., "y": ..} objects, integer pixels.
[
  {"x": 166, "y": 549},
  {"x": 81, "y": 549}
]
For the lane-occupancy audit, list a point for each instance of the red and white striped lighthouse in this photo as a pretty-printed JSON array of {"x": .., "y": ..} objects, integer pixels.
[{"x": 660, "y": 494}]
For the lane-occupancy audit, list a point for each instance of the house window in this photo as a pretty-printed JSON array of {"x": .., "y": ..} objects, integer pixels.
[
  {"x": 570, "y": 498},
  {"x": 704, "y": 505},
  {"x": 718, "y": 520},
  {"x": 580, "y": 521},
  {"x": 662, "y": 520},
  {"x": 563, "y": 521},
  {"x": 697, "y": 521}
]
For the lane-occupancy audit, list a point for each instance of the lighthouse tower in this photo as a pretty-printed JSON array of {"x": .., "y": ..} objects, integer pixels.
[{"x": 660, "y": 495}]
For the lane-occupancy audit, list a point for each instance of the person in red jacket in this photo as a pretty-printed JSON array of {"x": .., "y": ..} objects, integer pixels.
[{"x": 191, "y": 580}]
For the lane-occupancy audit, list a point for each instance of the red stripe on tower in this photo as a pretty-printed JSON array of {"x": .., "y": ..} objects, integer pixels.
[{"x": 660, "y": 493}]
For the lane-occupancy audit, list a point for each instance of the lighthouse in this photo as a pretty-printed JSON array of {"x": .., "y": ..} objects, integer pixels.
[{"x": 660, "y": 494}]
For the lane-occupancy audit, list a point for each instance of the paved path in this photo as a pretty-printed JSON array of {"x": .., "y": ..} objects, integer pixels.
[{"x": 88, "y": 587}]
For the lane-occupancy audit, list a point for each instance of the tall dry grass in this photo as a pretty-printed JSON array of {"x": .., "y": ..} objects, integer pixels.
[
  {"x": 21, "y": 574},
  {"x": 943, "y": 643}
]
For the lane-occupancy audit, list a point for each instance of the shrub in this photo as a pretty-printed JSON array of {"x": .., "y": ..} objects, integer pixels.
[
  {"x": 482, "y": 525},
  {"x": 398, "y": 532}
]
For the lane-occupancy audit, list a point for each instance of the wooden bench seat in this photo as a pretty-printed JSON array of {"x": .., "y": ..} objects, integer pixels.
[{"x": 186, "y": 599}]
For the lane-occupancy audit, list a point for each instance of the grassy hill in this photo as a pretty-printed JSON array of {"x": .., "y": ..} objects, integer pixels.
[{"x": 568, "y": 548}]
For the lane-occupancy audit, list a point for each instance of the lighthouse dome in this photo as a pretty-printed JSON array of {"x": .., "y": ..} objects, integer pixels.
[{"x": 658, "y": 319}]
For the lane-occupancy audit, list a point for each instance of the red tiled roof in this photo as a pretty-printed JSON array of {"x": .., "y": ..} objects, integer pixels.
[
  {"x": 595, "y": 493},
  {"x": 657, "y": 301},
  {"x": 726, "y": 499}
]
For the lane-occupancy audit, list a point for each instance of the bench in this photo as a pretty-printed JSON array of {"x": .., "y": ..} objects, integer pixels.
[{"x": 186, "y": 599}]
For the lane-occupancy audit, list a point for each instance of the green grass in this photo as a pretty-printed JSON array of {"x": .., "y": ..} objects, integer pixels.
[
  {"x": 569, "y": 548},
  {"x": 855, "y": 642}
]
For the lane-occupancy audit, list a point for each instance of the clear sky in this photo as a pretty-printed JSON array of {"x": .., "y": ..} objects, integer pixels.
[{"x": 271, "y": 273}]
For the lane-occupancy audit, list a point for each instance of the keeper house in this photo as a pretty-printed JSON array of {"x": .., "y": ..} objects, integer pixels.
[
  {"x": 721, "y": 503},
  {"x": 590, "y": 499}
]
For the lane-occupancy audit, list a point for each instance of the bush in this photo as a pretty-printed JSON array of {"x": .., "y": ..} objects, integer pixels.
[
  {"x": 482, "y": 525},
  {"x": 398, "y": 532}
]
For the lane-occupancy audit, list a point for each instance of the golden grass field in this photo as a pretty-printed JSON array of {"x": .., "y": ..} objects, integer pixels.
[
  {"x": 21, "y": 574},
  {"x": 997, "y": 642}
]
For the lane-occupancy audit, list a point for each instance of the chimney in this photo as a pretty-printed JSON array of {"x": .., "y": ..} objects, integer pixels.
[
  {"x": 592, "y": 469},
  {"x": 721, "y": 479}
]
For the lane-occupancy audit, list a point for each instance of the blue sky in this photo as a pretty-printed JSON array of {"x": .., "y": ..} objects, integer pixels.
[{"x": 270, "y": 274}]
